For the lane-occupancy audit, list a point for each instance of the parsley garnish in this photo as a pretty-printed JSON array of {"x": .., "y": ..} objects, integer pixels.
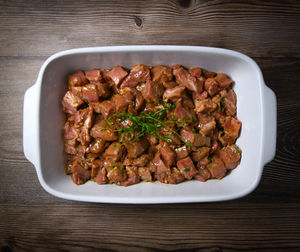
[
  {"x": 209, "y": 166},
  {"x": 186, "y": 169}
]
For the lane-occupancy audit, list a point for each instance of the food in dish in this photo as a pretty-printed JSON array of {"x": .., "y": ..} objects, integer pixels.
[{"x": 165, "y": 123}]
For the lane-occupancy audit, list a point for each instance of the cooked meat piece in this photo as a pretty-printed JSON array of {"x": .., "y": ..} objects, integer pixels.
[
  {"x": 87, "y": 93},
  {"x": 145, "y": 174},
  {"x": 142, "y": 160},
  {"x": 158, "y": 72},
  {"x": 93, "y": 75},
  {"x": 114, "y": 152},
  {"x": 137, "y": 148},
  {"x": 84, "y": 135},
  {"x": 175, "y": 177},
  {"x": 211, "y": 86},
  {"x": 208, "y": 74},
  {"x": 70, "y": 132},
  {"x": 181, "y": 113},
  {"x": 168, "y": 155},
  {"x": 103, "y": 90},
  {"x": 97, "y": 165},
  {"x": 194, "y": 138},
  {"x": 71, "y": 102},
  {"x": 184, "y": 78},
  {"x": 101, "y": 178},
  {"x": 79, "y": 174},
  {"x": 231, "y": 131},
  {"x": 162, "y": 170},
  {"x": 231, "y": 156},
  {"x": 203, "y": 174},
  {"x": 223, "y": 80},
  {"x": 205, "y": 105},
  {"x": 106, "y": 108},
  {"x": 116, "y": 174},
  {"x": 152, "y": 139},
  {"x": 199, "y": 154},
  {"x": 195, "y": 71},
  {"x": 121, "y": 103},
  {"x": 98, "y": 131},
  {"x": 174, "y": 93},
  {"x": 153, "y": 91},
  {"x": 70, "y": 146},
  {"x": 132, "y": 176},
  {"x": 138, "y": 73},
  {"x": 182, "y": 152},
  {"x": 80, "y": 115},
  {"x": 117, "y": 74},
  {"x": 97, "y": 146},
  {"x": 77, "y": 79},
  {"x": 206, "y": 124},
  {"x": 229, "y": 103},
  {"x": 187, "y": 168},
  {"x": 216, "y": 167}
]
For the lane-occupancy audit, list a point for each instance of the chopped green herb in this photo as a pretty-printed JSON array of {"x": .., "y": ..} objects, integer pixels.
[
  {"x": 209, "y": 166},
  {"x": 186, "y": 169},
  {"x": 210, "y": 159},
  {"x": 194, "y": 131},
  {"x": 115, "y": 146},
  {"x": 193, "y": 118},
  {"x": 223, "y": 104},
  {"x": 111, "y": 167},
  {"x": 188, "y": 144},
  {"x": 183, "y": 125},
  {"x": 235, "y": 150}
]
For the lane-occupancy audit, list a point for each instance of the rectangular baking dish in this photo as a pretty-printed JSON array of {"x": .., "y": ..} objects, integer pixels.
[{"x": 44, "y": 120}]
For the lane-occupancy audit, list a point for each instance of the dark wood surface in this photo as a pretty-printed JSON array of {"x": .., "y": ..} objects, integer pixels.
[{"x": 267, "y": 220}]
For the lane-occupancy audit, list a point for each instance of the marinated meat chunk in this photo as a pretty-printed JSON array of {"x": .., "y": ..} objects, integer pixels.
[
  {"x": 71, "y": 102},
  {"x": 117, "y": 74},
  {"x": 153, "y": 91},
  {"x": 138, "y": 73},
  {"x": 77, "y": 79},
  {"x": 148, "y": 124},
  {"x": 187, "y": 168},
  {"x": 223, "y": 80},
  {"x": 137, "y": 148},
  {"x": 93, "y": 75},
  {"x": 79, "y": 174},
  {"x": 217, "y": 168},
  {"x": 231, "y": 156},
  {"x": 99, "y": 131}
]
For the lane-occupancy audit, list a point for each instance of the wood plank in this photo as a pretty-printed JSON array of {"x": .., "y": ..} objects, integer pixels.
[
  {"x": 256, "y": 28},
  {"x": 207, "y": 227}
]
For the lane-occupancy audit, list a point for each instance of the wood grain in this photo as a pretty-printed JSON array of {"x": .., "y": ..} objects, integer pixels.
[
  {"x": 266, "y": 220},
  {"x": 257, "y": 28}
]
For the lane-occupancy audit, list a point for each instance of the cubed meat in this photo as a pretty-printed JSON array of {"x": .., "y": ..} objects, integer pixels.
[
  {"x": 137, "y": 148},
  {"x": 141, "y": 161},
  {"x": 152, "y": 139},
  {"x": 199, "y": 154},
  {"x": 97, "y": 146},
  {"x": 223, "y": 80},
  {"x": 116, "y": 173},
  {"x": 187, "y": 168},
  {"x": 206, "y": 124},
  {"x": 121, "y": 102},
  {"x": 204, "y": 105},
  {"x": 79, "y": 174},
  {"x": 114, "y": 152},
  {"x": 216, "y": 167},
  {"x": 70, "y": 146},
  {"x": 211, "y": 86},
  {"x": 231, "y": 156},
  {"x": 153, "y": 91},
  {"x": 182, "y": 152},
  {"x": 106, "y": 108},
  {"x": 97, "y": 165},
  {"x": 181, "y": 113},
  {"x": 229, "y": 103},
  {"x": 103, "y": 90},
  {"x": 117, "y": 74},
  {"x": 194, "y": 138},
  {"x": 138, "y": 73},
  {"x": 101, "y": 178},
  {"x": 203, "y": 174},
  {"x": 145, "y": 174},
  {"x": 231, "y": 131},
  {"x": 132, "y": 176},
  {"x": 93, "y": 75},
  {"x": 70, "y": 132},
  {"x": 184, "y": 78},
  {"x": 199, "y": 96},
  {"x": 87, "y": 93},
  {"x": 77, "y": 79},
  {"x": 71, "y": 102},
  {"x": 174, "y": 94},
  {"x": 157, "y": 72},
  {"x": 208, "y": 74},
  {"x": 168, "y": 155},
  {"x": 175, "y": 177},
  {"x": 195, "y": 71},
  {"x": 99, "y": 131}
]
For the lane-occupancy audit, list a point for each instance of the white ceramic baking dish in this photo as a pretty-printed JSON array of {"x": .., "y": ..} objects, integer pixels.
[{"x": 44, "y": 120}]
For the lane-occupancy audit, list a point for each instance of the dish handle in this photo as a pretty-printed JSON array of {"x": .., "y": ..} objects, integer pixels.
[
  {"x": 30, "y": 125},
  {"x": 269, "y": 124}
]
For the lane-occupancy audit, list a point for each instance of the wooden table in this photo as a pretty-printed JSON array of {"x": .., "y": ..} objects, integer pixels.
[{"x": 268, "y": 219}]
